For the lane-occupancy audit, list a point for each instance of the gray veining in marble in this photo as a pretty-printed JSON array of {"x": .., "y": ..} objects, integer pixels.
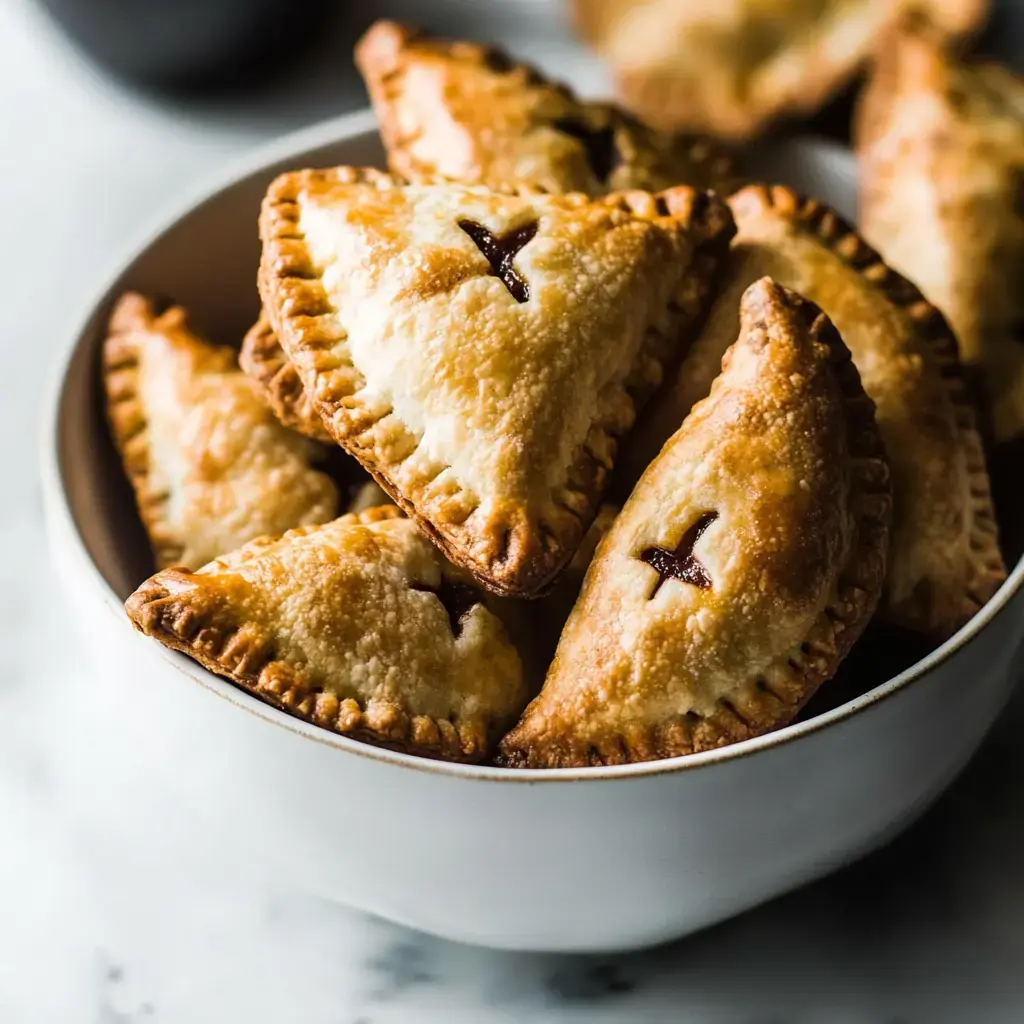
[{"x": 117, "y": 916}]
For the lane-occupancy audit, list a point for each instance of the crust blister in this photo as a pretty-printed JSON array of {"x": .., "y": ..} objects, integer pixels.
[
  {"x": 195, "y": 613},
  {"x": 506, "y": 551},
  {"x": 774, "y": 697}
]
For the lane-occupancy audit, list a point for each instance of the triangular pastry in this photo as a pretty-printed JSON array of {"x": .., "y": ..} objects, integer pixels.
[
  {"x": 210, "y": 465},
  {"x": 358, "y": 625},
  {"x": 945, "y": 562},
  {"x": 470, "y": 113},
  {"x": 729, "y": 67},
  {"x": 481, "y": 352},
  {"x": 742, "y": 568},
  {"x": 941, "y": 148}
]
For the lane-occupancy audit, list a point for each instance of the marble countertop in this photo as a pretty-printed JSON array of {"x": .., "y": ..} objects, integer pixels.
[{"x": 116, "y": 917}]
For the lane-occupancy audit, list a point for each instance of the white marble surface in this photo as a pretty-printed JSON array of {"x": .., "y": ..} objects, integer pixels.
[{"x": 114, "y": 914}]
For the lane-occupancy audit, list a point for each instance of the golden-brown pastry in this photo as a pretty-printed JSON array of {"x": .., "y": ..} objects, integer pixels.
[
  {"x": 942, "y": 195},
  {"x": 358, "y": 625},
  {"x": 729, "y": 68},
  {"x": 211, "y": 466},
  {"x": 470, "y": 113},
  {"x": 742, "y": 569},
  {"x": 481, "y": 352},
  {"x": 945, "y": 563},
  {"x": 278, "y": 383}
]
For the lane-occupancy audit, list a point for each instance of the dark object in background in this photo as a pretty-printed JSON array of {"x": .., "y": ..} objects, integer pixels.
[
  {"x": 1006, "y": 466},
  {"x": 191, "y": 45}
]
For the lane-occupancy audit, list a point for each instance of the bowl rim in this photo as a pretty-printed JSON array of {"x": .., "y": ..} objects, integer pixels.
[{"x": 64, "y": 531}]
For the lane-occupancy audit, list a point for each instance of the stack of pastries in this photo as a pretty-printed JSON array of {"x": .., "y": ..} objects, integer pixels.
[{"x": 556, "y": 446}]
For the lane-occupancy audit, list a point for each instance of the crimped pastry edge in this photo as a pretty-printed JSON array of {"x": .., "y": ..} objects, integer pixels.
[
  {"x": 278, "y": 383},
  {"x": 133, "y": 314}
]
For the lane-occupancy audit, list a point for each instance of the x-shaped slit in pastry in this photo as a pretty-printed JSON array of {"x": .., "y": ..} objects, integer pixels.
[
  {"x": 500, "y": 251},
  {"x": 681, "y": 564},
  {"x": 598, "y": 143},
  {"x": 457, "y": 599}
]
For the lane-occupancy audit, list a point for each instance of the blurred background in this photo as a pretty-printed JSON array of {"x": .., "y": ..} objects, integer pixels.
[{"x": 110, "y": 112}]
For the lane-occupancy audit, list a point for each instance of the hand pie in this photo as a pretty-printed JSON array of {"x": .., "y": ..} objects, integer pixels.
[
  {"x": 481, "y": 352},
  {"x": 359, "y": 626},
  {"x": 942, "y": 171},
  {"x": 729, "y": 68},
  {"x": 278, "y": 383},
  {"x": 211, "y": 466},
  {"x": 470, "y": 114},
  {"x": 742, "y": 569},
  {"x": 945, "y": 563}
]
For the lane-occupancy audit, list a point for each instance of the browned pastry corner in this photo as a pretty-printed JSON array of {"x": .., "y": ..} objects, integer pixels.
[
  {"x": 730, "y": 69},
  {"x": 742, "y": 569},
  {"x": 941, "y": 148},
  {"x": 472, "y": 114},
  {"x": 210, "y": 465},
  {"x": 278, "y": 383},
  {"x": 482, "y": 351},
  {"x": 945, "y": 562},
  {"x": 358, "y": 626}
]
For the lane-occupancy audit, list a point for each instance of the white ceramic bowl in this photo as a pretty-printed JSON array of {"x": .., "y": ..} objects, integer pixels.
[{"x": 572, "y": 860}]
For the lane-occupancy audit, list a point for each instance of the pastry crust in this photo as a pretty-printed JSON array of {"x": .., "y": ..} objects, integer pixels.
[
  {"x": 278, "y": 383},
  {"x": 945, "y": 563},
  {"x": 470, "y": 113},
  {"x": 210, "y": 465},
  {"x": 729, "y": 69},
  {"x": 778, "y": 485},
  {"x": 491, "y": 418},
  {"x": 344, "y": 625},
  {"x": 941, "y": 149}
]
